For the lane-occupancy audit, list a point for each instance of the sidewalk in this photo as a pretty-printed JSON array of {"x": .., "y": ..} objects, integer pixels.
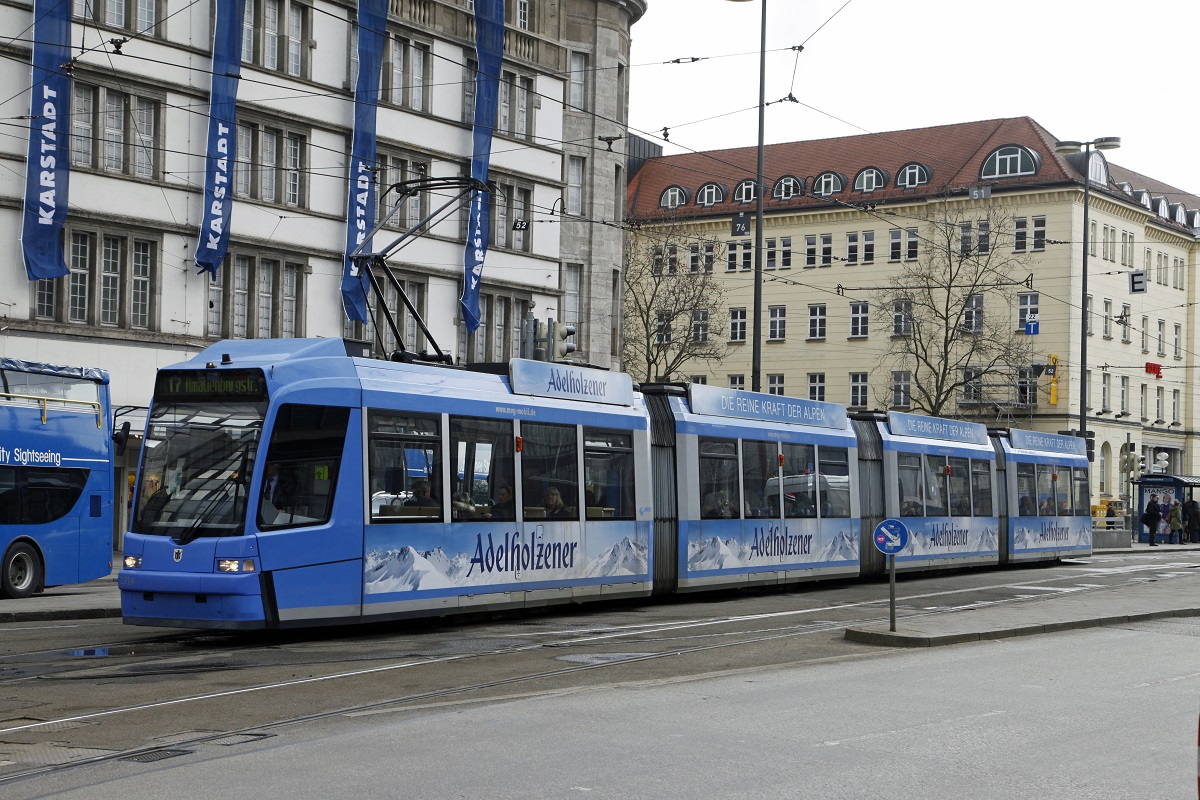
[{"x": 101, "y": 598}]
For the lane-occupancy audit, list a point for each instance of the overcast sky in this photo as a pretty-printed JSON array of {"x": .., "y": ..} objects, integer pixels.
[{"x": 1082, "y": 69}]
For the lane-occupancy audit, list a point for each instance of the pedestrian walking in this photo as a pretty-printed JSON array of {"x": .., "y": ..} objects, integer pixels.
[
  {"x": 1175, "y": 523},
  {"x": 1191, "y": 520},
  {"x": 1151, "y": 516}
]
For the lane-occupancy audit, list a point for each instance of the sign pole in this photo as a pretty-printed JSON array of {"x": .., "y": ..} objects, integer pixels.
[
  {"x": 890, "y": 537},
  {"x": 892, "y": 592}
]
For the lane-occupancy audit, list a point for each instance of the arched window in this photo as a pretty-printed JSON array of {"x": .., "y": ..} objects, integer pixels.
[
  {"x": 787, "y": 187},
  {"x": 673, "y": 197},
  {"x": 744, "y": 193},
  {"x": 869, "y": 180},
  {"x": 828, "y": 183},
  {"x": 1098, "y": 170},
  {"x": 912, "y": 175},
  {"x": 710, "y": 194},
  {"x": 1162, "y": 208},
  {"x": 1011, "y": 161}
]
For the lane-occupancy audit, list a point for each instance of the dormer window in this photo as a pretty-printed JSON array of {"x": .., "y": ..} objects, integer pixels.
[
  {"x": 1162, "y": 208},
  {"x": 744, "y": 193},
  {"x": 1143, "y": 197},
  {"x": 828, "y": 183},
  {"x": 787, "y": 187},
  {"x": 912, "y": 175},
  {"x": 1011, "y": 161},
  {"x": 869, "y": 180},
  {"x": 1178, "y": 213},
  {"x": 710, "y": 194},
  {"x": 1126, "y": 188},
  {"x": 673, "y": 197},
  {"x": 1098, "y": 170}
]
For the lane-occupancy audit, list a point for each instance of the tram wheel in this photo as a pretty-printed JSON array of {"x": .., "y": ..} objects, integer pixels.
[{"x": 21, "y": 572}]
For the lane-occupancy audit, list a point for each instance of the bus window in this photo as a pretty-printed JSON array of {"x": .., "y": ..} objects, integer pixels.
[
  {"x": 935, "y": 484},
  {"x": 608, "y": 474},
  {"x": 960, "y": 487},
  {"x": 1062, "y": 491},
  {"x": 719, "y": 492},
  {"x": 1027, "y": 505},
  {"x": 1083, "y": 495},
  {"x": 38, "y": 495},
  {"x": 760, "y": 462},
  {"x": 834, "y": 471},
  {"x": 405, "y": 467},
  {"x": 306, "y": 454},
  {"x": 981, "y": 487},
  {"x": 908, "y": 467},
  {"x": 549, "y": 462},
  {"x": 482, "y": 450},
  {"x": 1045, "y": 490},
  {"x": 799, "y": 475}
]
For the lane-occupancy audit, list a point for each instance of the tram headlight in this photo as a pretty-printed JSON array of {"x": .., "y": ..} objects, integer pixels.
[
  {"x": 234, "y": 565},
  {"x": 133, "y": 562}
]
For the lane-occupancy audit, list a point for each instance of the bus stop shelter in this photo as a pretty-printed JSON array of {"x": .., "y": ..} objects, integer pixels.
[{"x": 1168, "y": 488}]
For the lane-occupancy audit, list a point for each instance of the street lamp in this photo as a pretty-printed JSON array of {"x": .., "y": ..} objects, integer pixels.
[
  {"x": 1067, "y": 148},
  {"x": 759, "y": 190}
]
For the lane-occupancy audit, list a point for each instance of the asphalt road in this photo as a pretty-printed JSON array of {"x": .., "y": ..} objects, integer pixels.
[{"x": 721, "y": 697}]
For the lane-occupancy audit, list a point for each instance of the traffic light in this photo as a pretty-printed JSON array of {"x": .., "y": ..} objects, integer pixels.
[
  {"x": 530, "y": 328},
  {"x": 557, "y": 346},
  {"x": 1141, "y": 465}
]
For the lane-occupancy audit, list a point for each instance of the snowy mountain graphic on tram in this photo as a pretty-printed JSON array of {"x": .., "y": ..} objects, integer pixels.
[
  {"x": 843, "y": 547},
  {"x": 626, "y": 557}
]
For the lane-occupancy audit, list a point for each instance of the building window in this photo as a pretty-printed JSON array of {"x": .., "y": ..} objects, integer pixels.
[
  {"x": 858, "y": 320},
  {"x": 709, "y": 195},
  {"x": 816, "y": 386},
  {"x": 785, "y": 252},
  {"x": 394, "y": 169},
  {"x": 270, "y": 163},
  {"x": 816, "y": 321},
  {"x": 1145, "y": 334},
  {"x": 510, "y": 216},
  {"x": 775, "y": 383},
  {"x": 744, "y": 193},
  {"x": 512, "y": 110},
  {"x": 973, "y": 314},
  {"x": 700, "y": 379},
  {"x": 902, "y": 389},
  {"x": 777, "y": 330},
  {"x": 694, "y": 263},
  {"x": 902, "y": 318},
  {"x": 972, "y": 385},
  {"x": 737, "y": 382},
  {"x": 1175, "y": 406},
  {"x": 577, "y": 91},
  {"x": 662, "y": 327},
  {"x": 911, "y": 238},
  {"x": 852, "y": 247},
  {"x": 810, "y": 251},
  {"x": 1162, "y": 338},
  {"x": 575, "y": 168},
  {"x": 406, "y": 74},
  {"x": 737, "y": 324},
  {"x": 1124, "y": 408},
  {"x": 114, "y": 131},
  {"x": 1124, "y": 322},
  {"x": 1027, "y": 306},
  {"x": 912, "y": 176},
  {"x": 868, "y": 247},
  {"x": 1021, "y": 235},
  {"x": 673, "y": 197},
  {"x": 1105, "y": 391},
  {"x": 858, "y": 389},
  {"x": 1106, "y": 318},
  {"x": 275, "y": 33},
  {"x": 896, "y": 244},
  {"x": 1039, "y": 233},
  {"x": 826, "y": 249},
  {"x": 1027, "y": 387},
  {"x": 140, "y": 17},
  {"x": 869, "y": 180},
  {"x": 1178, "y": 341},
  {"x": 828, "y": 183},
  {"x": 112, "y": 282},
  {"x": 1011, "y": 161},
  {"x": 788, "y": 187},
  {"x": 523, "y": 14},
  {"x": 256, "y": 296},
  {"x": 700, "y": 325}
]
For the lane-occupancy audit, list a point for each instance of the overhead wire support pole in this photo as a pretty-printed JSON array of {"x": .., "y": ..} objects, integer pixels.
[{"x": 759, "y": 191}]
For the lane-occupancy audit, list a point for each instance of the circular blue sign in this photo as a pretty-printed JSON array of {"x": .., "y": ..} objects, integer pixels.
[{"x": 891, "y": 536}]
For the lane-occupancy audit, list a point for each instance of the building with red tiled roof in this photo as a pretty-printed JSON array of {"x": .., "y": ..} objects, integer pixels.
[{"x": 852, "y": 223}]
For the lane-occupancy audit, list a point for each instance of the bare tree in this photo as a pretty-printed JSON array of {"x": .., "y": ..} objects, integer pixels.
[
  {"x": 953, "y": 313},
  {"x": 673, "y": 310}
]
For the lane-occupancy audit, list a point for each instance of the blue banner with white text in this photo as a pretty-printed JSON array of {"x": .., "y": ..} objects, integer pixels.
[
  {"x": 360, "y": 213},
  {"x": 48, "y": 165},
  {"x": 222, "y": 135},
  {"x": 489, "y": 46}
]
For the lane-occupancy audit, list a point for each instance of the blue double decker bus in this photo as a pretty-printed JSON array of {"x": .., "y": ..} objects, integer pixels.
[{"x": 56, "y": 476}]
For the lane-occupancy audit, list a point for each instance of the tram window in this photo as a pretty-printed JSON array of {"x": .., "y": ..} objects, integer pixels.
[
  {"x": 549, "y": 460},
  {"x": 482, "y": 453},
  {"x": 799, "y": 477},
  {"x": 908, "y": 467},
  {"x": 608, "y": 474},
  {"x": 981, "y": 487},
  {"x": 38, "y": 495},
  {"x": 405, "y": 467},
  {"x": 760, "y": 463},
  {"x": 1083, "y": 494},
  {"x": 1062, "y": 490},
  {"x": 1027, "y": 504},
  {"x": 306, "y": 451},
  {"x": 719, "y": 492},
  {"x": 960, "y": 487},
  {"x": 834, "y": 471},
  {"x": 935, "y": 485},
  {"x": 1045, "y": 490}
]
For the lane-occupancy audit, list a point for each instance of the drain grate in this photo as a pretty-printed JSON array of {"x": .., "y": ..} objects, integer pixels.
[
  {"x": 8, "y": 704},
  {"x": 157, "y": 755},
  {"x": 240, "y": 738}
]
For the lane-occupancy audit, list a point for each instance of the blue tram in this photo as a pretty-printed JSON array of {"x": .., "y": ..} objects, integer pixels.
[{"x": 287, "y": 483}]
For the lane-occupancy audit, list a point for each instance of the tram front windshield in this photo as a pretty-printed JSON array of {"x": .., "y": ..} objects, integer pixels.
[{"x": 195, "y": 473}]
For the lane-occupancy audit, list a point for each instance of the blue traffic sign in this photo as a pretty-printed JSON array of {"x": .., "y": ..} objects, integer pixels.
[{"x": 891, "y": 536}]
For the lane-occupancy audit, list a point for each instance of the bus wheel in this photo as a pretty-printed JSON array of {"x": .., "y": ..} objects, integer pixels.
[{"x": 21, "y": 571}]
